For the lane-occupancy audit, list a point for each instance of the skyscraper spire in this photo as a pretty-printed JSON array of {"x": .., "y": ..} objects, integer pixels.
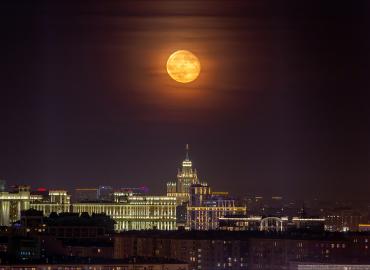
[{"x": 187, "y": 152}]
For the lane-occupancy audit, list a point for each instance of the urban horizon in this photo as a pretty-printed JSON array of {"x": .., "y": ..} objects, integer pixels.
[{"x": 146, "y": 187}]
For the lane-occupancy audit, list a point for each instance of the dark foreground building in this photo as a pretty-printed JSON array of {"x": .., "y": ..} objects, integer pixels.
[
  {"x": 36, "y": 237},
  {"x": 214, "y": 250},
  {"x": 328, "y": 266},
  {"x": 101, "y": 264},
  {"x": 91, "y": 239}
]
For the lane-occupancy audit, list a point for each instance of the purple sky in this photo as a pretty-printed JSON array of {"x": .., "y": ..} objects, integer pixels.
[{"x": 281, "y": 106}]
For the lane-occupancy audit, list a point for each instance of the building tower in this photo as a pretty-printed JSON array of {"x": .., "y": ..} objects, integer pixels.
[{"x": 186, "y": 176}]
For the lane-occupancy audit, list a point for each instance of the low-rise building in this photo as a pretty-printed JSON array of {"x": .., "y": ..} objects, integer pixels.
[{"x": 100, "y": 263}]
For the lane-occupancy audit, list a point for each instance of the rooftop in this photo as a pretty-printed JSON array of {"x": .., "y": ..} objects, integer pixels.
[
  {"x": 242, "y": 235},
  {"x": 98, "y": 261}
]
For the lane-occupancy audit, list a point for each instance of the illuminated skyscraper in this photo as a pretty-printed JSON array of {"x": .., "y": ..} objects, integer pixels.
[{"x": 186, "y": 177}]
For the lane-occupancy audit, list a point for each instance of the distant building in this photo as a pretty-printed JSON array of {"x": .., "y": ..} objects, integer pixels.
[
  {"x": 364, "y": 227},
  {"x": 2, "y": 185},
  {"x": 306, "y": 223},
  {"x": 258, "y": 223},
  {"x": 12, "y": 203},
  {"x": 52, "y": 201},
  {"x": 206, "y": 208},
  {"x": 267, "y": 206},
  {"x": 239, "y": 223},
  {"x": 342, "y": 220},
  {"x": 143, "y": 190},
  {"x": 86, "y": 194},
  {"x": 105, "y": 193},
  {"x": 274, "y": 224}
]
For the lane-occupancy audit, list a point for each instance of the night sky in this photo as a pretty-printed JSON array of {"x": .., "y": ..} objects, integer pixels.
[{"x": 281, "y": 106}]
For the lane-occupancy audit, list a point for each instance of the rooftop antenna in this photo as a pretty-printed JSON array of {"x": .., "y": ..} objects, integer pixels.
[{"x": 187, "y": 152}]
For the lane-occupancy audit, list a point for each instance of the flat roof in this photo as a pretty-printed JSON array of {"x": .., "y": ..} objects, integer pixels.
[{"x": 95, "y": 261}]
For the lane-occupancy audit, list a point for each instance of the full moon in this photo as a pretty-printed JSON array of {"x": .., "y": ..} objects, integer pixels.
[{"x": 183, "y": 66}]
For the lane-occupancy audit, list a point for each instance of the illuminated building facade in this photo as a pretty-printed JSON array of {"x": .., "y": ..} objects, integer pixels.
[
  {"x": 342, "y": 220},
  {"x": 206, "y": 208},
  {"x": 57, "y": 201},
  {"x": 364, "y": 227},
  {"x": 135, "y": 212},
  {"x": 239, "y": 223},
  {"x": 129, "y": 211},
  {"x": 316, "y": 224},
  {"x": 12, "y": 203},
  {"x": 270, "y": 224}
]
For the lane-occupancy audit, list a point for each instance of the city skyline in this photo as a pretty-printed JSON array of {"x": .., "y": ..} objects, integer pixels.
[
  {"x": 280, "y": 106},
  {"x": 146, "y": 189}
]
